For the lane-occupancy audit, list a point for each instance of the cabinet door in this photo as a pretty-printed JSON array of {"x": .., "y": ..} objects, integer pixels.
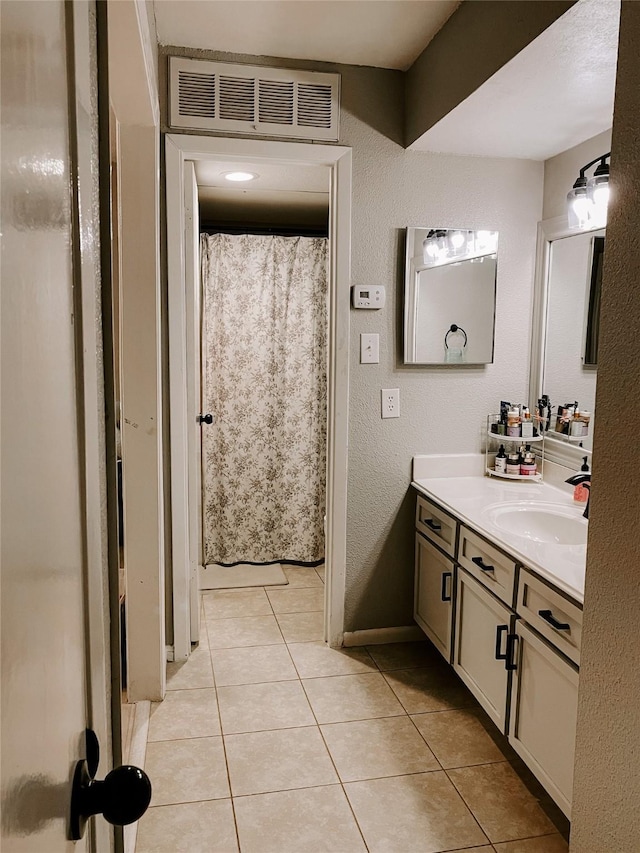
[
  {"x": 433, "y": 595},
  {"x": 544, "y": 700},
  {"x": 482, "y": 626}
]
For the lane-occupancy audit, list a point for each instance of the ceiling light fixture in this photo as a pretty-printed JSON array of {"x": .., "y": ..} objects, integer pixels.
[
  {"x": 587, "y": 201},
  {"x": 239, "y": 177}
]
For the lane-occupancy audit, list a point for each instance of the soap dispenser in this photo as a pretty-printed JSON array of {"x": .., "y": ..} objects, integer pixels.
[{"x": 581, "y": 491}]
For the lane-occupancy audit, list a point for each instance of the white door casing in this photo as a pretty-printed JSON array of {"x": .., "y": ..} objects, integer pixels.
[
  {"x": 54, "y": 640},
  {"x": 178, "y": 149},
  {"x": 193, "y": 296}
]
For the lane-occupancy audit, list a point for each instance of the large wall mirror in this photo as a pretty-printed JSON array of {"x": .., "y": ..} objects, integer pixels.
[
  {"x": 565, "y": 350},
  {"x": 450, "y": 296}
]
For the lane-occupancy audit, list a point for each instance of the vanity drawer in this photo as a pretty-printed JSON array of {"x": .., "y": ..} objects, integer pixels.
[
  {"x": 556, "y": 618},
  {"x": 490, "y": 566},
  {"x": 436, "y": 525}
]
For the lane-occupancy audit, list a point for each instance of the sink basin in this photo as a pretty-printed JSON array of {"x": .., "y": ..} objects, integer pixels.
[{"x": 541, "y": 522}]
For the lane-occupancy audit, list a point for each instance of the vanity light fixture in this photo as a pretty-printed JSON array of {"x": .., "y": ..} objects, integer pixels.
[
  {"x": 442, "y": 246},
  {"x": 588, "y": 199},
  {"x": 239, "y": 177}
]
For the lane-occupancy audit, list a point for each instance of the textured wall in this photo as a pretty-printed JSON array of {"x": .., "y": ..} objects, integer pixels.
[
  {"x": 442, "y": 409},
  {"x": 607, "y": 782},
  {"x": 561, "y": 171}
]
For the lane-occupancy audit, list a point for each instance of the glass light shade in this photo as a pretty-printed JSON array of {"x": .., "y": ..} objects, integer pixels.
[
  {"x": 239, "y": 176},
  {"x": 457, "y": 240},
  {"x": 579, "y": 207},
  {"x": 598, "y": 192},
  {"x": 429, "y": 249}
]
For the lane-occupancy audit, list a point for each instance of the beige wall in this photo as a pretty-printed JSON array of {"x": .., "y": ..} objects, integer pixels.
[
  {"x": 607, "y": 779},
  {"x": 561, "y": 171},
  {"x": 442, "y": 409}
]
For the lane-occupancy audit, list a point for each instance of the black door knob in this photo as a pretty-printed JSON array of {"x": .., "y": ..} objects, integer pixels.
[
  {"x": 122, "y": 798},
  {"x": 205, "y": 419}
]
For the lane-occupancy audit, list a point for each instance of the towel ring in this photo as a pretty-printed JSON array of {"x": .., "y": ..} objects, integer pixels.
[{"x": 454, "y": 328}]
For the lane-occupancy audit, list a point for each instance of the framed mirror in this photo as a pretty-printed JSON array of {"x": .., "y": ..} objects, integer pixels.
[
  {"x": 565, "y": 334},
  {"x": 450, "y": 296}
]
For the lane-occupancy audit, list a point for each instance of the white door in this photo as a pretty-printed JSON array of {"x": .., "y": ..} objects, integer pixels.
[
  {"x": 46, "y": 541},
  {"x": 482, "y": 626},
  {"x": 433, "y": 595}
]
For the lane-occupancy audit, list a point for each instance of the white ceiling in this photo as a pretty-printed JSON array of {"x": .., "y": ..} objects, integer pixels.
[
  {"x": 381, "y": 33},
  {"x": 554, "y": 94},
  {"x": 271, "y": 176},
  {"x": 280, "y": 193}
]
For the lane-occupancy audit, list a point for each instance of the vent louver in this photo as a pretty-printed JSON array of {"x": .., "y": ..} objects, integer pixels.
[{"x": 253, "y": 99}]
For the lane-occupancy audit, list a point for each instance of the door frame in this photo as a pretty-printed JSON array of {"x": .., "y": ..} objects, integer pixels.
[{"x": 180, "y": 148}]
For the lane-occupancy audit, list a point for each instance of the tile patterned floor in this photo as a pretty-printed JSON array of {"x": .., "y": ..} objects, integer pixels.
[{"x": 270, "y": 742}]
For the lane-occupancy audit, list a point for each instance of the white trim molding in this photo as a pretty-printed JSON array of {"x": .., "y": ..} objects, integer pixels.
[
  {"x": 555, "y": 450},
  {"x": 179, "y": 149},
  {"x": 380, "y": 636}
]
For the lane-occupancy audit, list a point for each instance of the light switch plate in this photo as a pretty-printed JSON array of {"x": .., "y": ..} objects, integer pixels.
[
  {"x": 390, "y": 402},
  {"x": 369, "y": 349}
]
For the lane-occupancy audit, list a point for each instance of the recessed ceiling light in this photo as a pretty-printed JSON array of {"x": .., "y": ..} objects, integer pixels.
[{"x": 240, "y": 176}]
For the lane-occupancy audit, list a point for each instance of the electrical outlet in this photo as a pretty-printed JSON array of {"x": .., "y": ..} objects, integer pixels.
[{"x": 390, "y": 402}]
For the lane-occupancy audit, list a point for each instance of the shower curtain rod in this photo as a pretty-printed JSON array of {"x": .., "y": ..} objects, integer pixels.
[{"x": 264, "y": 230}]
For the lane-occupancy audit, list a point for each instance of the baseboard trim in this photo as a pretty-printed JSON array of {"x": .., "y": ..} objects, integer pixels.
[
  {"x": 137, "y": 756},
  {"x": 378, "y": 636},
  {"x": 170, "y": 654}
]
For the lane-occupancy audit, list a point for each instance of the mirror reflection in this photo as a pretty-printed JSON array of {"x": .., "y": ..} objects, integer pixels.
[
  {"x": 571, "y": 335},
  {"x": 450, "y": 293}
]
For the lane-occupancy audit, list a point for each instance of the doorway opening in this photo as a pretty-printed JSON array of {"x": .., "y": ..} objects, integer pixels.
[
  {"x": 185, "y": 154},
  {"x": 264, "y": 271}
]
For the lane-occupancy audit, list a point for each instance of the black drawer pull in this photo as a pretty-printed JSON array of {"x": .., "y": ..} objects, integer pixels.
[
  {"x": 433, "y": 525},
  {"x": 443, "y": 587},
  {"x": 481, "y": 565},
  {"x": 500, "y": 631},
  {"x": 509, "y": 663},
  {"x": 548, "y": 616}
]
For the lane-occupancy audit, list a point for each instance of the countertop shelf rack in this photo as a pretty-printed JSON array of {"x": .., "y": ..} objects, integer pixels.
[{"x": 493, "y": 442}]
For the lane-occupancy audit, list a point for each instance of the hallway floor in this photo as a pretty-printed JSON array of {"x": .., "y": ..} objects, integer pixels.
[{"x": 270, "y": 742}]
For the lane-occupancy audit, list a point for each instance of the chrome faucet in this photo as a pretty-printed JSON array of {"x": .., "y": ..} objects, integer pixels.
[{"x": 584, "y": 480}]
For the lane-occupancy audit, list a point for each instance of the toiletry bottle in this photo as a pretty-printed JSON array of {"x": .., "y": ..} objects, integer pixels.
[
  {"x": 513, "y": 423},
  {"x": 527, "y": 424},
  {"x": 513, "y": 463},
  {"x": 500, "y": 465},
  {"x": 528, "y": 465},
  {"x": 581, "y": 492}
]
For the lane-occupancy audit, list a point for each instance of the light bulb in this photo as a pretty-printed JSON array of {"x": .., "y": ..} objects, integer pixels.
[
  {"x": 457, "y": 239},
  {"x": 579, "y": 207}
]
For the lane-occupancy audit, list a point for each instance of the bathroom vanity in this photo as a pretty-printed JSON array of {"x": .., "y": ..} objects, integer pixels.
[{"x": 499, "y": 581}]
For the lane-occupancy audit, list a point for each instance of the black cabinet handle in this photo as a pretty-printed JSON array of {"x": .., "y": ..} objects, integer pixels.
[
  {"x": 482, "y": 565},
  {"x": 500, "y": 631},
  {"x": 433, "y": 525},
  {"x": 443, "y": 587},
  {"x": 509, "y": 663},
  {"x": 205, "y": 419},
  {"x": 548, "y": 616}
]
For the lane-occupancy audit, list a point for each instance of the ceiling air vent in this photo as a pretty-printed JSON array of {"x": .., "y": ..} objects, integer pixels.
[{"x": 253, "y": 99}]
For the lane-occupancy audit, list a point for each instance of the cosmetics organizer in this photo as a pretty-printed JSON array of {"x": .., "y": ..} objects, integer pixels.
[{"x": 492, "y": 445}]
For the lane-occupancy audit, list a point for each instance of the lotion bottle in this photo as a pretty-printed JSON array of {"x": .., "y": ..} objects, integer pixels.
[{"x": 581, "y": 492}]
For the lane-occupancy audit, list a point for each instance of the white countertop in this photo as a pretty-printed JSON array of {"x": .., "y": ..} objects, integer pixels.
[{"x": 469, "y": 497}]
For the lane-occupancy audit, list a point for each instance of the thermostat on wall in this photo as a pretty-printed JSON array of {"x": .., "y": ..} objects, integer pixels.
[{"x": 368, "y": 296}]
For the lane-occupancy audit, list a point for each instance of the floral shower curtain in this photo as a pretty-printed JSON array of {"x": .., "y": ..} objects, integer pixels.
[{"x": 264, "y": 381}]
